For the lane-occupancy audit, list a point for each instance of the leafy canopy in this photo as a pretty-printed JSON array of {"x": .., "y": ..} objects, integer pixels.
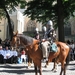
[
  {"x": 9, "y": 5},
  {"x": 44, "y": 10}
]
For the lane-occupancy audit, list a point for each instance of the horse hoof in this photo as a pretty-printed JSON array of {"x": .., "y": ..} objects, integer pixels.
[
  {"x": 54, "y": 70},
  {"x": 28, "y": 67},
  {"x": 45, "y": 66}
]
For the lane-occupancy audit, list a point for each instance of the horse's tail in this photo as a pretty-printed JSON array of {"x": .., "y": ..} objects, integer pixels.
[{"x": 68, "y": 58}]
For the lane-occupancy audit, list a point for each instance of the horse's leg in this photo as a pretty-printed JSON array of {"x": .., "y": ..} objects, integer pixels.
[
  {"x": 62, "y": 68},
  {"x": 55, "y": 67},
  {"x": 29, "y": 61},
  {"x": 35, "y": 70},
  {"x": 65, "y": 66},
  {"x": 67, "y": 62},
  {"x": 47, "y": 62},
  {"x": 40, "y": 71},
  {"x": 39, "y": 67},
  {"x": 56, "y": 61}
]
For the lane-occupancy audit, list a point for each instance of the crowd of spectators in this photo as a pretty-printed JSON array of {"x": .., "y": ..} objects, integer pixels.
[{"x": 9, "y": 54}]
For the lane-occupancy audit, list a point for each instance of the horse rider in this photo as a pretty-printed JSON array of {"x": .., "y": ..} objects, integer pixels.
[
  {"x": 37, "y": 36},
  {"x": 45, "y": 44},
  {"x": 44, "y": 32},
  {"x": 49, "y": 33}
]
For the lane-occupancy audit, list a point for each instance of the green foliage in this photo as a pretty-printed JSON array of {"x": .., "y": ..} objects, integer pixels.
[
  {"x": 55, "y": 10},
  {"x": 43, "y": 10},
  {"x": 9, "y": 5},
  {"x": 2, "y": 14}
]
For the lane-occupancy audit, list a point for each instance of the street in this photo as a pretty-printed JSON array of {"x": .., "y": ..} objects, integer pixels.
[{"x": 21, "y": 69}]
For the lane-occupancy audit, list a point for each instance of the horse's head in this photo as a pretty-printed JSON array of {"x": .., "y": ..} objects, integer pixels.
[
  {"x": 25, "y": 41},
  {"x": 15, "y": 39}
]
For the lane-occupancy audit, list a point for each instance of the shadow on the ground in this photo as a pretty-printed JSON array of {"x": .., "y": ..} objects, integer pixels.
[
  {"x": 18, "y": 69},
  {"x": 22, "y": 69}
]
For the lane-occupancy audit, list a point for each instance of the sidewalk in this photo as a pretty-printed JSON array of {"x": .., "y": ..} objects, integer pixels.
[{"x": 21, "y": 69}]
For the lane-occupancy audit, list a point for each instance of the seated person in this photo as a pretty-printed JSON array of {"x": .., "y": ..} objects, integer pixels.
[
  {"x": 7, "y": 55},
  {"x": 1, "y": 55},
  {"x": 23, "y": 56},
  {"x": 14, "y": 55}
]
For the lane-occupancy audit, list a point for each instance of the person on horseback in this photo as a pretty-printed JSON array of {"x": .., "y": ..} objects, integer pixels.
[
  {"x": 37, "y": 34},
  {"x": 49, "y": 34},
  {"x": 44, "y": 32}
]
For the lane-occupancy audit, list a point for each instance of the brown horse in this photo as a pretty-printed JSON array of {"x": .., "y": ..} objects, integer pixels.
[
  {"x": 62, "y": 56},
  {"x": 33, "y": 50}
]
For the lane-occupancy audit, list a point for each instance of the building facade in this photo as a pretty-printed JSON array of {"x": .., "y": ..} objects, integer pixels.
[{"x": 20, "y": 23}]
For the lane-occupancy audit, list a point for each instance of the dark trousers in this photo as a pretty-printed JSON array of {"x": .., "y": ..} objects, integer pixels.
[
  {"x": 1, "y": 59},
  {"x": 9, "y": 60},
  {"x": 15, "y": 59}
]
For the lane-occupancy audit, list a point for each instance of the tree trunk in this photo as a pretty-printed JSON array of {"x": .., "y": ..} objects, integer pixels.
[
  {"x": 60, "y": 21},
  {"x": 9, "y": 24}
]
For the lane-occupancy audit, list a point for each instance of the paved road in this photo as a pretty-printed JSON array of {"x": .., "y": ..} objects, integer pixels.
[{"x": 21, "y": 69}]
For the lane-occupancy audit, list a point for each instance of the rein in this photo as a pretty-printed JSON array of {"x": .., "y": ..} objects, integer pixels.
[{"x": 21, "y": 43}]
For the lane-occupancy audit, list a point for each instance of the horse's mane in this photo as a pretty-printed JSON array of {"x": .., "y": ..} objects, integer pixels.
[{"x": 26, "y": 39}]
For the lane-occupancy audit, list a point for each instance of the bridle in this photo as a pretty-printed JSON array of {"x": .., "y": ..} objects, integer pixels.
[
  {"x": 19, "y": 43},
  {"x": 15, "y": 41},
  {"x": 18, "y": 40}
]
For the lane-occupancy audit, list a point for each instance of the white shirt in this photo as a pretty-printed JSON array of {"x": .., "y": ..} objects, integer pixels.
[
  {"x": 72, "y": 46},
  {"x": 15, "y": 53},
  {"x": 1, "y": 52},
  {"x": 7, "y": 54}
]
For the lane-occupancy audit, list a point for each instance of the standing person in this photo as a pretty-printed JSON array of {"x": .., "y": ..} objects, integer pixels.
[
  {"x": 72, "y": 46},
  {"x": 68, "y": 42}
]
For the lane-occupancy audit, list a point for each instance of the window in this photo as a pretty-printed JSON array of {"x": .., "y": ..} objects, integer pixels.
[{"x": 31, "y": 25}]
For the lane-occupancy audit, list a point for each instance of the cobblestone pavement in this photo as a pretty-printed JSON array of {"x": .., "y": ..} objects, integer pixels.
[{"x": 21, "y": 69}]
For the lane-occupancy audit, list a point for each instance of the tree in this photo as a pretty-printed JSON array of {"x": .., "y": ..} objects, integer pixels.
[
  {"x": 56, "y": 10},
  {"x": 6, "y": 5}
]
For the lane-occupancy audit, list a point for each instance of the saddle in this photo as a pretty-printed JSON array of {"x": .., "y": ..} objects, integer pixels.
[{"x": 53, "y": 47}]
